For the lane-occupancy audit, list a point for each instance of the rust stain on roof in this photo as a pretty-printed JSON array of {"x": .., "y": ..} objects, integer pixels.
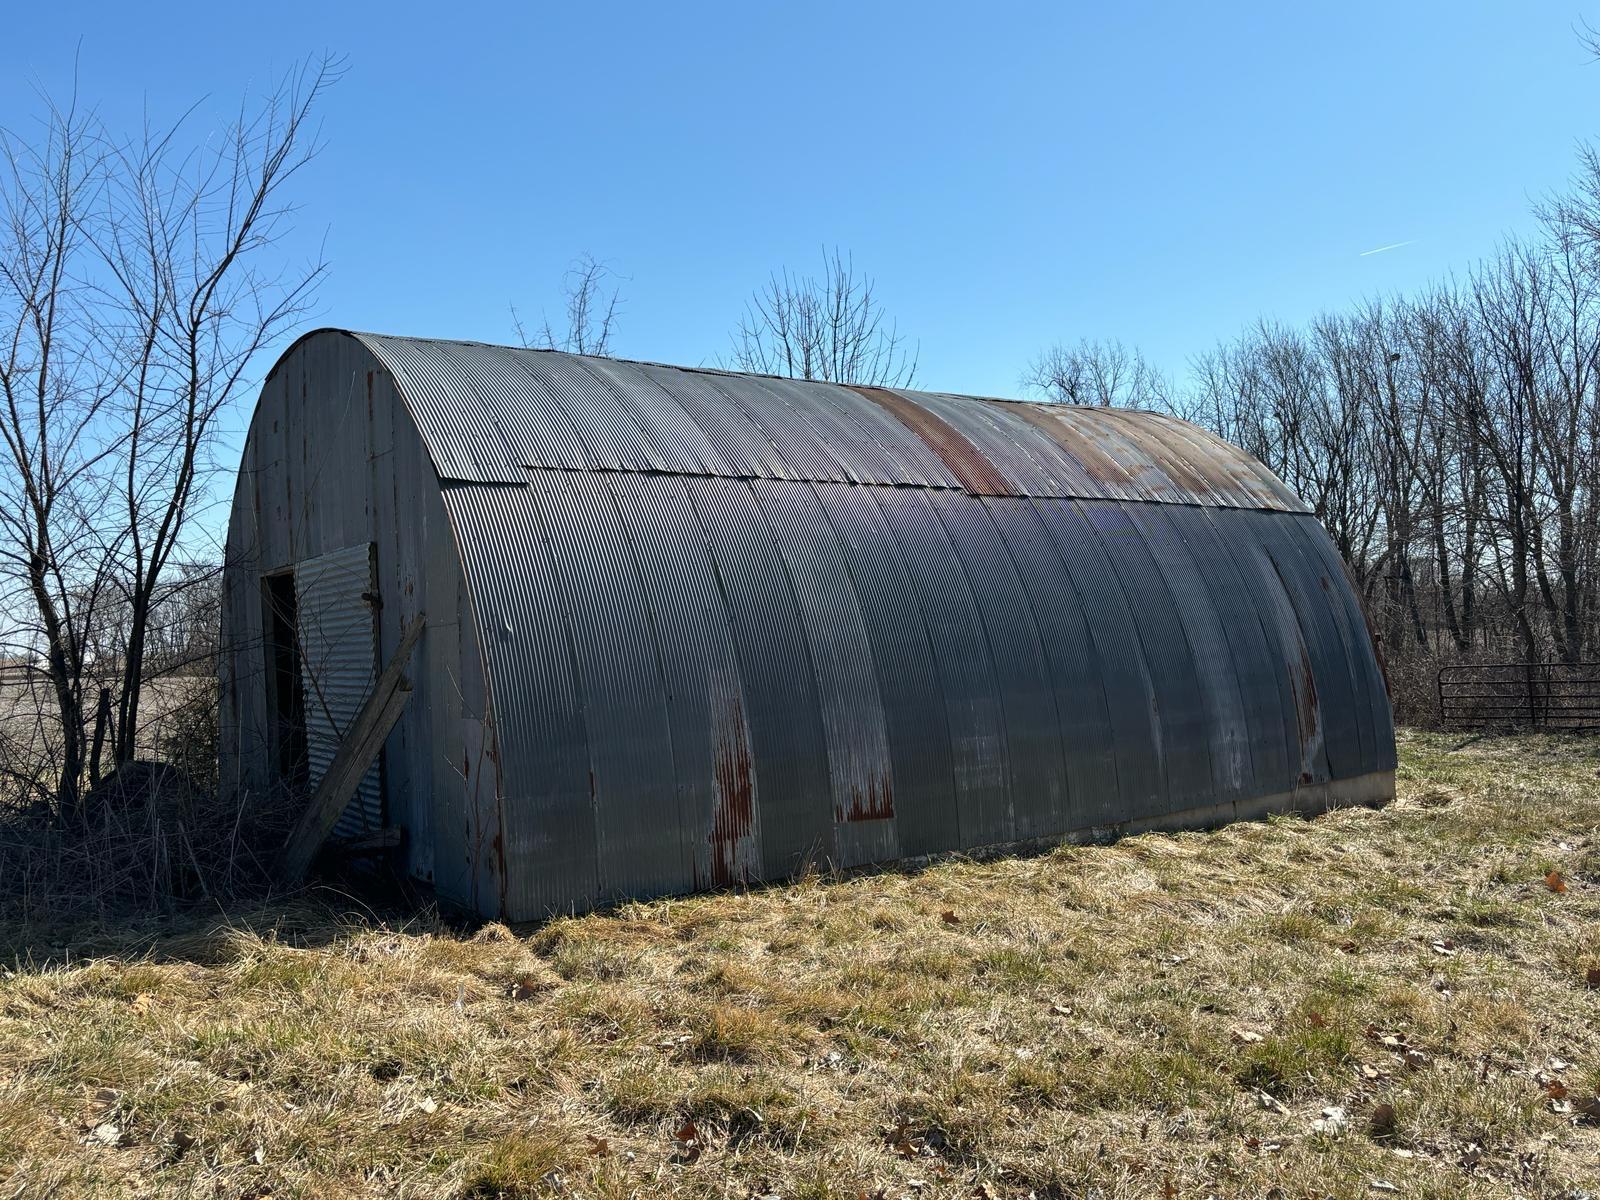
[{"x": 964, "y": 460}]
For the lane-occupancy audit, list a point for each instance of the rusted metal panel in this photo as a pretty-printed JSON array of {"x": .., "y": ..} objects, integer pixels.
[
  {"x": 908, "y": 458},
  {"x": 966, "y": 668},
  {"x": 914, "y": 718},
  {"x": 842, "y": 666},
  {"x": 787, "y": 744},
  {"x": 715, "y": 773},
  {"x": 639, "y": 832},
  {"x": 1073, "y": 668},
  {"x": 1037, "y": 771},
  {"x": 999, "y": 438},
  {"x": 963, "y": 461},
  {"x": 338, "y": 666},
  {"x": 1111, "y": 615},
  {"x": 547, "y": 837}
]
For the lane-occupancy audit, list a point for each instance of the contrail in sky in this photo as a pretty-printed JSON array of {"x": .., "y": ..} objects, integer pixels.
[{"x": 1391, "y": 246}]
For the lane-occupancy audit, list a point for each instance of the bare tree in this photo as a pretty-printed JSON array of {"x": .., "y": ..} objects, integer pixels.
[
  {"x": 136, "y": 287},
  {"x": 1097, "y": 373},
  {"x": 828, "y": 327},
  {"x": 591, "y": 313}
]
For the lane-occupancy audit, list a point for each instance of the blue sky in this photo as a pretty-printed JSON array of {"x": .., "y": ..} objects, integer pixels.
[{"x": 1010, "y": 174}]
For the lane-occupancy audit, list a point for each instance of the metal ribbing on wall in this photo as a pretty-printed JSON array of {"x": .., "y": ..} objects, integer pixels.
[
  {"x": 966, "y": 669},
  {"x": 1072, "y": 666},
  {"x": 1366, "y": 673},
  {"x": 546, "y": 843},
  {"x": 1036, "y": 770},
  {"x": 914, "y": 717},
  {"x": 1264, "y": 685},
  {"x": 850, "y": 707},
  {"x": 719, "y": 790},
  {"x": 1229, "y": 737},
  {"x": 786, "y": 735},
  {"x": 1136, "y": 724},
  {"x": 1186, "y": 721},
  {"x": 640, "y": 847},
  {"x": 338, "y": 664}
]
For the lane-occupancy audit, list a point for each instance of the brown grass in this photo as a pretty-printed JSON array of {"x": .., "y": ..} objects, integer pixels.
[{"x": 1173, "y": 1015}]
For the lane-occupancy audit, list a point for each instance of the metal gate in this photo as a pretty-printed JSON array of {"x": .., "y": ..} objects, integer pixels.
[
  {"x": 1546, "y": 695},
  {"x": 338, "y": 661}
]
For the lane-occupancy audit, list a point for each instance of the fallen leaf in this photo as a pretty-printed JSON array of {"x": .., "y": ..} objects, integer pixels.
[
  {"x": 182, "y": 1142},
  {"x": 949, "y": 917},
  {"x": 690, "y": 1146},
  {"x": 1556, "y": 1090},
  {"x": 106, "y": 1097},
  {"x": 1247, "y": 1037},
  {"x": 143, "y": 1002},
  {"x": 1555, "y": 882},
  {"x": 108, "y": 1134},
  {"x": 599, "y": 1147},
  {"x": 1592, "y": 977},
  {"x": 526, "y": 987},
  {"x": 1348, "y": 947},
  {"x": 260, "y": 1156},
  {"x": 1444, "y": 946},
  {"x": 429, "y": 1105},
  {"x": 1065, "y": 1010},
  {"x": 1316, "y": 1020},
  {"x": 1381, "y": 1124},
  {"x": 1415, "y": 1059}
]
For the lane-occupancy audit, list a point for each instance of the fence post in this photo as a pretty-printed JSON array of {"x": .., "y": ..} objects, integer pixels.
[{"x": 1527, "y": 671}]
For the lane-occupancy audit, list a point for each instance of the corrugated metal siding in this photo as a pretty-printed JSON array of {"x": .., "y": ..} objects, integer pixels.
[
  {"x": 338, "y": 665},
  {"x": 966, "y": 668},
  {"x": 914, "y": 717},
  {"x": 787, "y": 742},
  {"x": 718, "y": 789},
  {"x": 732, "y": 624},
  {"x": 1130, "y": 691},
  {"x": 1037, "y": 773},
  {"x": 547, "y": 841},
  {"x": 1072, "y": 666},
  {"x": 487, "y": 411}
]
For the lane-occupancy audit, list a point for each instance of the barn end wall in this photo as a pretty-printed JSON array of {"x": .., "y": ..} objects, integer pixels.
[{"x": 333, "y": 460}]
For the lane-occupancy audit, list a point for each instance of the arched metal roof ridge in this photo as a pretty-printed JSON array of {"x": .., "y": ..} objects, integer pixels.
[{"x": 487, "y": 413}]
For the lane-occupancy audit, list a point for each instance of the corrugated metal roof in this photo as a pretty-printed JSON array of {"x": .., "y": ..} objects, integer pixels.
[
  {"x": 733, "y": 624},
  {"x": 489, "y": 412}
]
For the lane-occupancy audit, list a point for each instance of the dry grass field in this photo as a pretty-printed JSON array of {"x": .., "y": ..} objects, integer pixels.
[{"x": 1397, "y": 1002}]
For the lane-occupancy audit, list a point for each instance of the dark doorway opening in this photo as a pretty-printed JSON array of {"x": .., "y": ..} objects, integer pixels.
[{"x": 286, "y": 701}]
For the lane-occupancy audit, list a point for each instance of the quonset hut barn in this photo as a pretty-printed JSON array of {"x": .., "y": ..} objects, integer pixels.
[{"x": 685, "y": 628}]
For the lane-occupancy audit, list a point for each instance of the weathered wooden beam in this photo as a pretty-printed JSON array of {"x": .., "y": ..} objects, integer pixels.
[{"x": 350, "y": 763}]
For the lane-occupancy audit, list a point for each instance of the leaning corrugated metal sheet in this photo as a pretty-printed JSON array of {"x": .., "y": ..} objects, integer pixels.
[{"x": 724, "y": 625}]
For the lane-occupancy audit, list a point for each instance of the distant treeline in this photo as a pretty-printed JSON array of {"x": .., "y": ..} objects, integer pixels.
[{"x": 1448, "y": 440}]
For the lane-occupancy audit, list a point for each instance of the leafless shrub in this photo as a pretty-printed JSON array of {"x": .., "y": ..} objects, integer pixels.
[
  {"x": 593, "y": 303},
  {"x": 829, "y": 327},
  {"x": 1097, "y": 373}
]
